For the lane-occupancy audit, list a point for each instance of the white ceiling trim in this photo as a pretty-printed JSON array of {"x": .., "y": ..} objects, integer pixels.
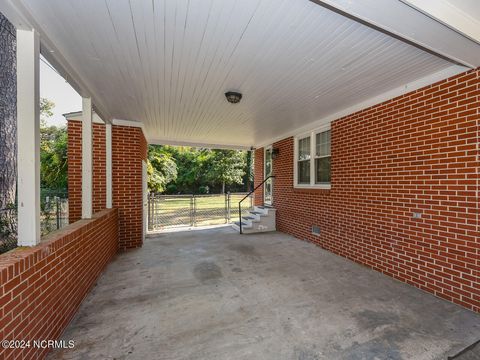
[
  {"x": 166, "y": 64},
  {"x": 415, "y": 85},
  {"x": 78, "y": 116},
  {"x": 450, "y": 15},
  {"x": 199, "y": 144},
  {"x": 21, "y": 18},
  {"x": 407, "y": 23}
]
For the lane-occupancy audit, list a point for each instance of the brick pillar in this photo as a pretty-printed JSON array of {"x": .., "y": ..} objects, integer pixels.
[
  {"x": 258, "y": 171},
  {"x": 129, "y": 148},
  {"x": 74, "y": 162},
  {"x": 75, "y": 169}
]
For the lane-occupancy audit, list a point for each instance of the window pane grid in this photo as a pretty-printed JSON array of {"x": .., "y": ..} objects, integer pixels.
[
  {"x": 304, "y": 149},
  {"x": 313, "y": 162},
  {"x": 322, "y": 142}
]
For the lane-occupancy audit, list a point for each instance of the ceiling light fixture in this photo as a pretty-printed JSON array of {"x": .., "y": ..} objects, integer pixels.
[{"x": 233, "y": 97}]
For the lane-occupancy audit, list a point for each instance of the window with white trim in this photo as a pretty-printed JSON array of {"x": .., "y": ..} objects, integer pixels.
[
  {"x": 322, "y": 158},
  {"x": 312, "y": 159},
  {"x": 303, "y": 161}
]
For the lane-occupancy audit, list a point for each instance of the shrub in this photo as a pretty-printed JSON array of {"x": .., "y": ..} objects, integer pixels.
[
  {"x": 204, "y": 189},
  {"x": 171, "y": 189}
]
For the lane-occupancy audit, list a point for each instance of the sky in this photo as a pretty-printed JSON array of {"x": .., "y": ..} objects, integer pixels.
[{"x": 55, "y": 88}]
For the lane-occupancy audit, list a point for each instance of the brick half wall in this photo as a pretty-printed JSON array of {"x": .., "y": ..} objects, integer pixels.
[
  {"x": 415, "y": 153},
  {"x": 43, "y": 286}
]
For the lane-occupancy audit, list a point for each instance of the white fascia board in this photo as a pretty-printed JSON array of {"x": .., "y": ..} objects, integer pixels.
[
  {"x": 19, "y": 15},
  {"x": 402, "y": 90},
  {"x": 198, "y": 144},
  {"x": 78, "y": 116},
  {"x": 449, "y": 15},
  {"x": 406, "y": 23}
]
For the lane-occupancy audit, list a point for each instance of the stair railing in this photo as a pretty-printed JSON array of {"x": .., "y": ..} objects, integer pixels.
[{"x": 250, "y": 193}]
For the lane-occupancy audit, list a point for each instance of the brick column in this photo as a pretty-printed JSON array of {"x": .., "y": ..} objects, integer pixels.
[
  {"x": 129, "y": 149},
  {"x": 75, "y": 169}
]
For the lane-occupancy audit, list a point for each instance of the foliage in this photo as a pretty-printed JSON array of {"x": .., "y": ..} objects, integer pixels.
[
  {"x": 53, "y": 150},
  {"x": 171, "y": 189},
  {"x": 225, "y": 167},
  {"x": 198, "y": 170},
  {"x": 53, "y": 157},
  {"x": 204, "y": 189},
  {"x": 161, "y": 169},
  {"x": 46, "y": 110}
]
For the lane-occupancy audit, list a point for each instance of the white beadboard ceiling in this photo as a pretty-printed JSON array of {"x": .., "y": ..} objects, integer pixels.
[{"x": 168, "y": 63}]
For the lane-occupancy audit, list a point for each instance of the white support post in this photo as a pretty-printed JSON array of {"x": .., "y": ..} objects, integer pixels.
[
  {"x": 108, "y": 145},
  {"x": 87, "y": 158},
  {"x": 28, "y": 137}
]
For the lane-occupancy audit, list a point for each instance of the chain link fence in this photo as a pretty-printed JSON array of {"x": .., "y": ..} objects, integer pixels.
[
  {"x": 8, "y": 229},
  {"x": 167, "y": 211},
  {"x": 53, "y": 212},
  {"x": 53, "y": 216}
]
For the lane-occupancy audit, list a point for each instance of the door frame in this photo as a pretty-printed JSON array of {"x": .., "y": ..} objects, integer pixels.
[
  {"x": 269, "y": 147},
  {"x": 144, "y": 199}
]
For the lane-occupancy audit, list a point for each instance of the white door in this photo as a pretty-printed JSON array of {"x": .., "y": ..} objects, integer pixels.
[
  {"x": 144, "y": 198},
  {"x": 268, "y": 186}
]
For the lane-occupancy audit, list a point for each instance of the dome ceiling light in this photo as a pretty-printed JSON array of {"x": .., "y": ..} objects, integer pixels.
[{"x": 233, "y": 97}]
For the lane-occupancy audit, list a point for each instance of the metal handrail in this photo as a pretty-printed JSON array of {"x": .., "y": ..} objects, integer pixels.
[{"x": 250, "y": 193}]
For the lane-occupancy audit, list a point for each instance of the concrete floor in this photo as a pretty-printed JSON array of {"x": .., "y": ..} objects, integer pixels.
[{"x": 213, "y": 294}]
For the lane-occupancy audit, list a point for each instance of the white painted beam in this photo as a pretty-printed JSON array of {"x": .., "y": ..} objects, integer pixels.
[
  {"x": 28, "y": 137},
  {"x": 108, "y": 146},
  {"x": 410, "y": 25},
  {"x": 447, "y": 13},
  {"x": 20, "y": 16},
  {"x": 197, "y": 144},
  {"x": 87, "y": 158}
]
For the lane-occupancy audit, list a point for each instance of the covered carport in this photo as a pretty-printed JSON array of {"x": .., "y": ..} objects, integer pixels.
[{"x": 365, "y": 112}]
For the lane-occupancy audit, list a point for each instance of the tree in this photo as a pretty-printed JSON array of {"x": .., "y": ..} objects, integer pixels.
[
  {"x": 226, "y": 167},
  {"x": 53, "y": 157},
  {"x": 161, "y": 168},
  {"x": 53, "y": 150},
  {"x": 8, "y": 127}
]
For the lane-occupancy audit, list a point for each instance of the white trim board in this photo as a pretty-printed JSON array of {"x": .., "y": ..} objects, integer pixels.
[
  {"x": 311, "y": 134},
  {"x": 423, "y": 31},
  {"x": 78, "y": 116},
  {"x": 198, "y": 144},
  {"x": 448, "y": 14},
  {"x": 389, "y": 95}
]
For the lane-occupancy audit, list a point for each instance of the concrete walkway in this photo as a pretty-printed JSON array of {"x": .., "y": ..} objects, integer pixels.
[{"x": 213, "y": 294}]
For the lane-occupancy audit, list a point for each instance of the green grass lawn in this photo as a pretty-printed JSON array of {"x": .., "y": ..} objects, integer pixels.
[{"x": 167, "y": 211}]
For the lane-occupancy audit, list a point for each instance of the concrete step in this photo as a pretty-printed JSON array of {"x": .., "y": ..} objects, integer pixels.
[{"x": 261, "y": 219}]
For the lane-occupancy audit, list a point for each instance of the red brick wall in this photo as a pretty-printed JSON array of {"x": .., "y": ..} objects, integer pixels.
[
  {"x": 128, "y": 150},
  {"x": 75, "y": 169},
  {"x": 43, "y": 286},
  {"x": 99, "y": 201},
  {"x": 74, "y": 172},
  {"x": 415, "y": 153},
  {"x": 258, "y": 172}
]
